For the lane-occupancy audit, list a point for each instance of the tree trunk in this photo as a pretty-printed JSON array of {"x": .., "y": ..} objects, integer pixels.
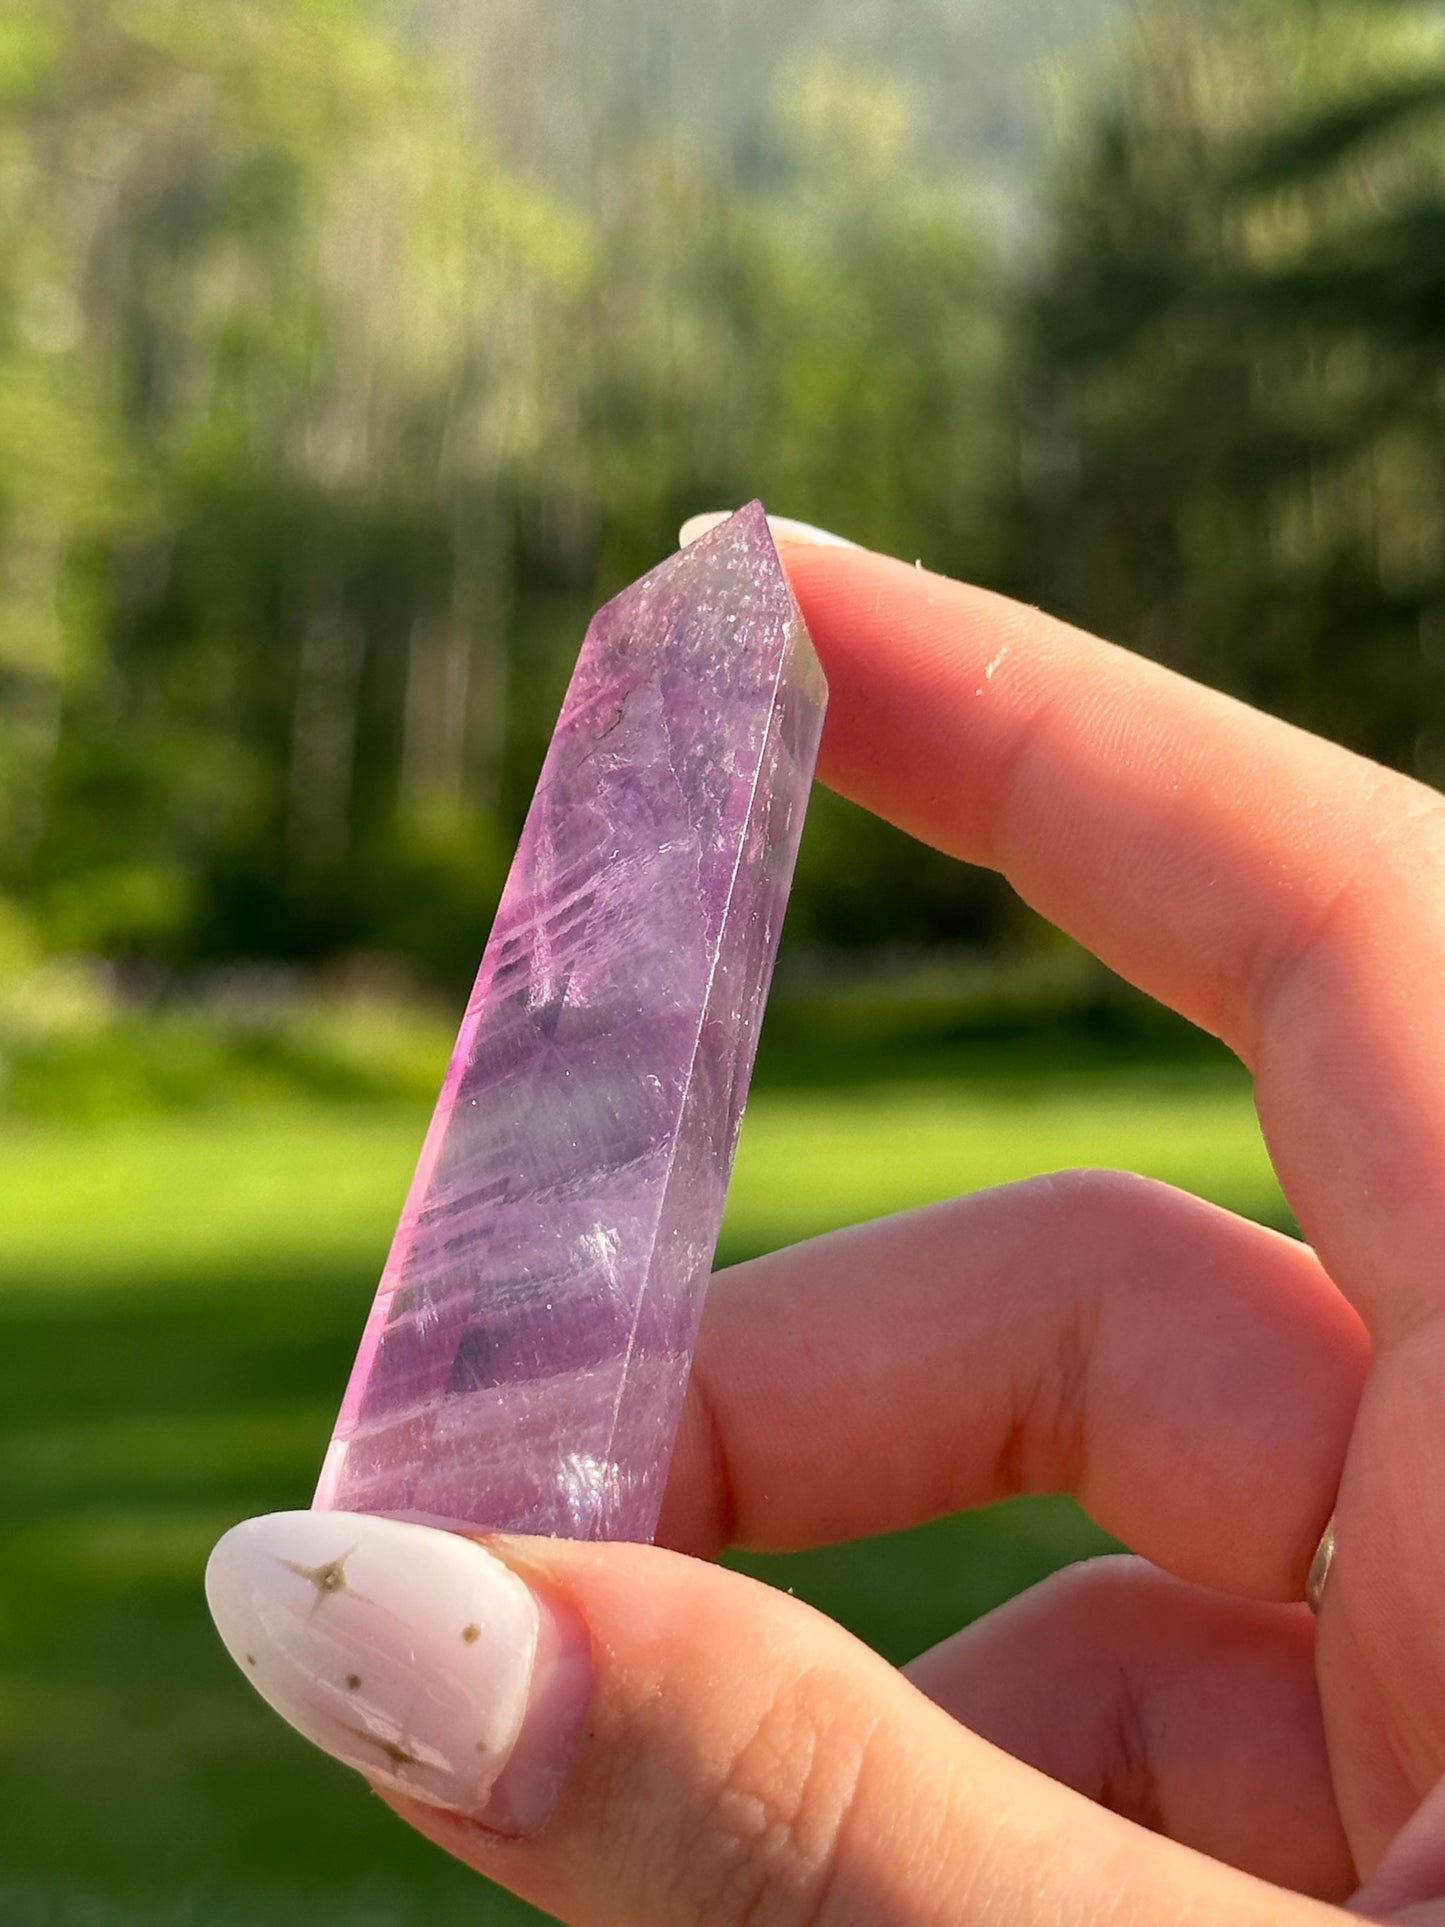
[{"x": 323, "y": 734}]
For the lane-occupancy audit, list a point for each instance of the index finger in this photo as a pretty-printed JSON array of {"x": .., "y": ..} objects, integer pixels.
[{"x": 1274, "y": 888}]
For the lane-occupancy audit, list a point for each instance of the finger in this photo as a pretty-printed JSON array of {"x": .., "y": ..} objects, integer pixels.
[
  {"x": 1409, "y": 1883},
  {"x": 1411, "y": 1876},
  {"x": 1189, "y": 1712},
  {"x": 1170, "y": 1364},
  {"x": 686, "y": 1746},
  {"x": 1274, "y": 888}
]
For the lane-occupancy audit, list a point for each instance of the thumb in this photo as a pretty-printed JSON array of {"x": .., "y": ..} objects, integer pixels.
[{"x": 625, "y": 1735}]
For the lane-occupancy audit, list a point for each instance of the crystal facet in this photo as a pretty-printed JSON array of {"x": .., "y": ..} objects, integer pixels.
[{"x": 525, "y": 1359}]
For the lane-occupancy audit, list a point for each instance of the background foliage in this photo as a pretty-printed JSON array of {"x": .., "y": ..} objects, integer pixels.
[{"x": 344, "y": 368}]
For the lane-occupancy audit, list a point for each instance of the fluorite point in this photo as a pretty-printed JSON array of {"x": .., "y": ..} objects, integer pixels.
[{"x": 524, "y": 1364}]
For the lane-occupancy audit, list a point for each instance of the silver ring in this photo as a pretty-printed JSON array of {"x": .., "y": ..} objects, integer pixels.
[{"x": 1320, "y": 1567}]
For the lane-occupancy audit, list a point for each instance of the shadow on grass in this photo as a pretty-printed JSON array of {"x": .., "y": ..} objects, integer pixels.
[{"x": 141, "y": 1780}]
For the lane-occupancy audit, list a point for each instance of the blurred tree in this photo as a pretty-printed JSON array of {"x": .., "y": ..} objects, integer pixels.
[
  {"x": 1234, "y": 364},
  {"x": 264, "y": 269},
  {"x": 324, "y": 432},
  {"x": 829, "y": 337}
]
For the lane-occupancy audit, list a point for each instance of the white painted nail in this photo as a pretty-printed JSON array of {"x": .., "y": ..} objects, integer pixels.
[
  {"x": 784, "y": 529},
  {"x": 412, "y": 1654}
]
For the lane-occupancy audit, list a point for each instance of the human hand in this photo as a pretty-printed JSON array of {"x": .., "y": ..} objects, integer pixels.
[{"x": 682, "y": 1745}]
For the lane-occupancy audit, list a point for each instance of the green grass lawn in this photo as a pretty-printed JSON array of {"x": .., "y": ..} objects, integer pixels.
[{"x": 179, "y": 1301}]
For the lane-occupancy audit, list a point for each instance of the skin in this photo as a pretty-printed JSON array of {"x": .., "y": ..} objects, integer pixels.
[{"x": 1160, "y": 1739}]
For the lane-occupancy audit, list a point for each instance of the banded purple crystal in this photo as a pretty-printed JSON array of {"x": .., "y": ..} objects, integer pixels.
[{"x": 525, "y": 1360}]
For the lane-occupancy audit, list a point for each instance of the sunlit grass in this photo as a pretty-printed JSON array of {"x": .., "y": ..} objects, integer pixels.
[
  {"x": 88, "y": 1209},
  {"x": 840, "y": 1156},
  {"x": 179, "y": 1300}
]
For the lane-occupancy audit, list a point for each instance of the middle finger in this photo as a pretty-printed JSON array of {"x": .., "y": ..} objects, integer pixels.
[{"x": 1168, "y": 1363}]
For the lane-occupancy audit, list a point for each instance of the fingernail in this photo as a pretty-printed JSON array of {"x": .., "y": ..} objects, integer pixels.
[
  {"x": 784, "y": 529},
  {"x": 413, "y": 1655}
]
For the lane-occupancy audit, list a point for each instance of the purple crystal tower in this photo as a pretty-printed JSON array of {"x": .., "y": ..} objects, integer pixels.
[{"x": 525, "y": 1360}]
